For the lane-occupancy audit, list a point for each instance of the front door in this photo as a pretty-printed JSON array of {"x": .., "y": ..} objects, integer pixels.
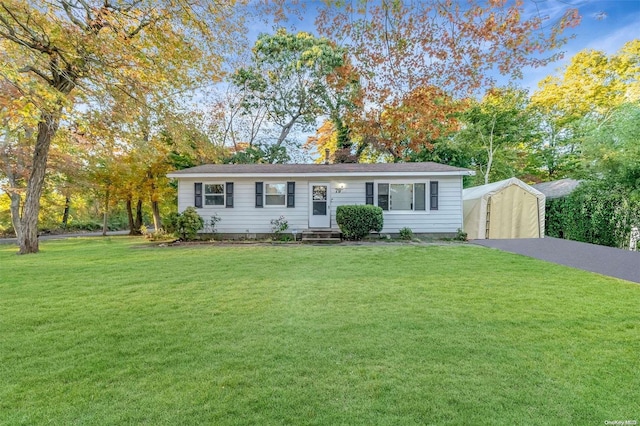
[{"x": 319, "y": 208}]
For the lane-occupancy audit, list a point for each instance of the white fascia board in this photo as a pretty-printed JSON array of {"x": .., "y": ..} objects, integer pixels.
[{"x": 319, "y": 175}]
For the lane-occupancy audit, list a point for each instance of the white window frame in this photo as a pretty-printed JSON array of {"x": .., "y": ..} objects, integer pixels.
[
  {"x": 413, "y": 203},
  {"x": 264, "y": 195},
  {"x": 205, "y": 193}
]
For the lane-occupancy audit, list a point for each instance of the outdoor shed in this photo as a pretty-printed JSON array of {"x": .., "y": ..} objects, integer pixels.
[{"x": 506, "y": 209}]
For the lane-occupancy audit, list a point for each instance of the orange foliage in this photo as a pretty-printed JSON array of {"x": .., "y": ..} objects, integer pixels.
[{"x": 411, "y": 124}]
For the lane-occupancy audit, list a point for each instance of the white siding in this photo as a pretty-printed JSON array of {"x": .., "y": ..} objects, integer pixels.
[{"x": 244, "y": 217}]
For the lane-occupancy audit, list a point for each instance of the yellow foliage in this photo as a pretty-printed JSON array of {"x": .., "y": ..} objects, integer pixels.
[
  {"x": 593, "y": 82},
  {"x": 326, "y": 137}
]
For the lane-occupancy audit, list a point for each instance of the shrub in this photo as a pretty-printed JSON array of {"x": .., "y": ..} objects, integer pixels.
[
  {"x": 460, "y": 235},
  {"x": 596, "y": 212},
  {"x": 210, "y": 227},
  {"x": 184, "y": 225},
  {"x": 406, "y": 233},
  {"x": 278, "y": 226},
  {"x": 358, "y": 221}
]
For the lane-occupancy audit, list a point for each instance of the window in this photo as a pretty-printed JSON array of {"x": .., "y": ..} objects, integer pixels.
[
  {"x": 275, "y": 194},
  {"x": 214, "y": 194},
  {"x": 401, "y": 196}
]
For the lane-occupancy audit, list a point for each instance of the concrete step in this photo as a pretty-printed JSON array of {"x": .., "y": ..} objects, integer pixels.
[{"x": 316, "y": 236}]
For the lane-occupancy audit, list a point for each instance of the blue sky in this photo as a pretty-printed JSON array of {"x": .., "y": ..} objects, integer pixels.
[{"x": 606, "y": 25}]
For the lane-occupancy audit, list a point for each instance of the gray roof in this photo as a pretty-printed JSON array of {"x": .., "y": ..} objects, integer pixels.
[
  {"x": 338, "y": 169},
  {"x": 557, "y": 188}
]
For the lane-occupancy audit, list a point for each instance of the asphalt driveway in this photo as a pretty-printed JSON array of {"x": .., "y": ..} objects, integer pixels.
[{"x": 603, "y": 260}]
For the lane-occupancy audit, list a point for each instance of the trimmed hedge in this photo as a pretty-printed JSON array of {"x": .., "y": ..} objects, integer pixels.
[
  {"x": 357, "y": 221},
  {"x": 596, "y": 213}
]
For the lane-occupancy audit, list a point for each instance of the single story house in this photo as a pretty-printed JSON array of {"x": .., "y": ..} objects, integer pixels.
[{"x": 425, "y": 197}]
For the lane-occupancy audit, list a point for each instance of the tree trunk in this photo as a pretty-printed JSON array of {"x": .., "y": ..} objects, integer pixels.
[
  {"x": 155, "y": 207},
  {"x": 15, "y": 213},
  {"x": 138, "y": 217},
  {"x": 155, "y": 210},
  {"x": 105, "y": 214},
  {"x": 65, "y": 215},
  {"x": 47, "y": 129},
  {"x": 130, "y": 216}
]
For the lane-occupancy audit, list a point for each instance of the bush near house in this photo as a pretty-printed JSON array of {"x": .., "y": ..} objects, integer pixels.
[
  {"x": 184, "y": 225},
  {"x": 357, "y": 221}
]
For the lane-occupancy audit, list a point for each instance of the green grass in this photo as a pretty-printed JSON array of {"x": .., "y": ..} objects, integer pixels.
[{"x": 102, "y": 331}]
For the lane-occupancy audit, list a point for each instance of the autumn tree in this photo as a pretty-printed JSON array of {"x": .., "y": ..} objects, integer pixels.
[
  {"x": 400, "y": 48},
  {"x": 589, "y": 91},
  {"x": 15, "y": 149},
  {"x": 410, "y": 124},
  {"x": 59, "y": 50}
]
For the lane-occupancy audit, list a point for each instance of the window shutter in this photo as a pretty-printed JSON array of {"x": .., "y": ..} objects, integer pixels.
[
  {"x": 433, "y": 195},
  {"x": 197, "y": 190},
  {"x": 420, "y": 196},
  {"x": 369, "y": 193},
  {"x": 259, "y": 192},
  {"x": 229, "y": 195},
  {"x": 383, "y": 196},
  {"x": 291, "y": 194}
]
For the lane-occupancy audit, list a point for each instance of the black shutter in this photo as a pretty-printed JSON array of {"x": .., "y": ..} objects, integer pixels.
[
  {"x": 197, "y": 190},
  {"x": 259, "y": 191},
  {"x": 369, "y": 193},
  {"x": 419, "y": 189},
  {"x": 433, "y": 195},
  {"x": 291, "y": 194},
  {"x": 229, "y": 194}
]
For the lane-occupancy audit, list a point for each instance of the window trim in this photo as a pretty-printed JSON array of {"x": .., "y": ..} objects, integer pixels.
[
  {"x": 413, "y": 203},
  {"x": 264, "y": 194},
  {"x": 226, "y": 195}
]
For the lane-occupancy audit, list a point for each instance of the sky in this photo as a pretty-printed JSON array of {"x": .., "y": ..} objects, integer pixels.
[{"x": 606, "y": 25}]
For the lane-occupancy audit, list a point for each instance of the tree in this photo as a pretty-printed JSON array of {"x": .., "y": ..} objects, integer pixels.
[
  {"x": 289, "y": 77},
  {"x": 612, "y": 150},
  {"x": 58, "y": 51},
  {"x": 401, "y": 47},
  {"x": 588, "y": 93},
  {"x": 411, "y": 124},
  {"x": 494, "y": 129}
]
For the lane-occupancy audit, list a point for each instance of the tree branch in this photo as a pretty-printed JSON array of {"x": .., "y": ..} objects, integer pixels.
[{"x": 37, "y": 72}]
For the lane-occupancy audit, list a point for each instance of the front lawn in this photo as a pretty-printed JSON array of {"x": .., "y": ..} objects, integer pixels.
[{"x": 103, "y": 331}]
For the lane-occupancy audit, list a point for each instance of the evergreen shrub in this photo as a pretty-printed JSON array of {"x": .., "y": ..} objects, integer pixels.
[
  {"x": 596, "y": 212},
  {"x": 357, "y": 221},
  {"x": 184, "y": 225}
]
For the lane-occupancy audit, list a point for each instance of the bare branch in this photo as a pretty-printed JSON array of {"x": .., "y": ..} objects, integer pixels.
[{"x": 68, "y": 9}]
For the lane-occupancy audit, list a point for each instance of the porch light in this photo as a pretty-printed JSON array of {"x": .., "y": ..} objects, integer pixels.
[{"x": 340, "y": 187}]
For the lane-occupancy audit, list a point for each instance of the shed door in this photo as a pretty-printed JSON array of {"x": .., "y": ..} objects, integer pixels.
[
  {"x": 319, "y": 208},
  {"x": 513, "y": 214}
]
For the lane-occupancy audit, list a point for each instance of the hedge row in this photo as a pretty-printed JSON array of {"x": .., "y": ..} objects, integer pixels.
[{"x": 594, "y": 213}]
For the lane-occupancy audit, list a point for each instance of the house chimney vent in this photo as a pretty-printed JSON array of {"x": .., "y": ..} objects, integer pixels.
[{"x": 326, "y": 156}]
